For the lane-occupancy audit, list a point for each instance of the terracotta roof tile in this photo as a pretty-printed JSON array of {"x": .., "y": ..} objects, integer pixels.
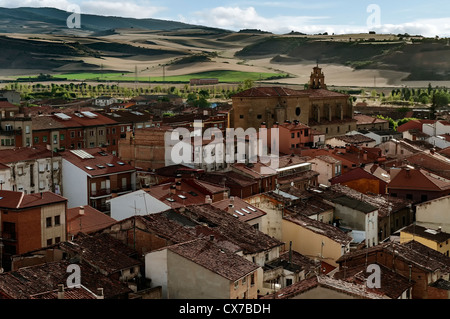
[
  {"x": 270, "y": 91},
  {"x": 91, "y": 220},
  {"x": 95, "y": 162},
  {"x": 215, "y": 258}
]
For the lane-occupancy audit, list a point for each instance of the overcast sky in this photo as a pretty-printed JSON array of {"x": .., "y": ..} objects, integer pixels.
[{"x": 428, "y": 18}]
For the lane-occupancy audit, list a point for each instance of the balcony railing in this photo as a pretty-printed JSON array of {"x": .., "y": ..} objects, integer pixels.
[
  {"x": 10, "y": 132},
  {"x": 101, "y": 192}
]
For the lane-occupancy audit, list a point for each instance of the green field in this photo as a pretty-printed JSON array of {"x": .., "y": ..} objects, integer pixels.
[{"x": 223, "y": 76}]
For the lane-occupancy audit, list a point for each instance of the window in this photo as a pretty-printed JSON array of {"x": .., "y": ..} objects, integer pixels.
[
  {"x": 241, "y": 116},
  {"x": 57, "y": 220},
  {"x": 298, "y": 111},
  {"x": 100, "y": 132},
  {"x": 44, "y": 139},
  {"x": 36, "y": 140},
  {"x": 292, "y": 135},
  {"x": 72, "y": 134},
  {"x": 259, "y": 116},
  {"x": 57, "y": 240},
  {"x": 48, "y": 222},
  {"x": 236, "y": 284},
  {"x": 55, "y": 139},
  {"x": 91, "y": 133},
  {"x": 49, "y": 242}
]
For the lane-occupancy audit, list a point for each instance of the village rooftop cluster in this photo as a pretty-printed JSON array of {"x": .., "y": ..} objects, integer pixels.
[{"x": 92, "y": 186}]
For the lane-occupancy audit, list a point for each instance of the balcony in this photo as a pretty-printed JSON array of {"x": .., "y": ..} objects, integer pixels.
[
  {"x": 101, "y": 192},
  {"x": 10, "y": 132},
  {"x": 8, "y": 236}
]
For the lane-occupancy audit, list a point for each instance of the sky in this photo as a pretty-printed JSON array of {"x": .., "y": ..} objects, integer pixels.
[{"x": 428, "y": 18}]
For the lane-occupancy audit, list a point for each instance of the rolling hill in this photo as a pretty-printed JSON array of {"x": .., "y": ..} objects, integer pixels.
[{"x": 37, "y": 40}]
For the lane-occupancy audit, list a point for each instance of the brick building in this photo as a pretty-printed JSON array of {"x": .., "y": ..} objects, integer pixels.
[
  {"x": 317, "y": 107},
  {"x": 92, "y": 176},
  {"x": 30, "y": 221}
]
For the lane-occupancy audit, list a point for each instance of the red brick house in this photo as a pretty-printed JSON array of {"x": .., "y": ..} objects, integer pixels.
[{"x": 30, "y": 221}]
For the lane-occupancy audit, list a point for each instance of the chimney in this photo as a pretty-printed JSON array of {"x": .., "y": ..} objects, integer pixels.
[
  {"x": 178, "y": 178},
  {"x": 225, "y": 194},
  {"x": 100, "y": 293},
  {"x": 208, "y": 199},
  {"x": 407, "y": 172},
  {"x": 365, "y": 155},
  {"x": 439, "y": 229},
  {"x": 173, "y": 189},
  {"x": 230, "y": 208},
  {"x": 263, "y": 125},
  {"x": 60, "y": 291},
  {"x": 178, "y": 185},
  {"x": 81, "y": 211}
]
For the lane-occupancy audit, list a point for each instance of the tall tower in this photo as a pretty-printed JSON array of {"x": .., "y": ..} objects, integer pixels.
[{"x": 317, "y": 79}]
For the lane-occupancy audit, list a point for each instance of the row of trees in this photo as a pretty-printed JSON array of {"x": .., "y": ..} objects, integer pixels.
[
  {"x": 435, "y": 96},
  {"x": 70, "y": 91}
]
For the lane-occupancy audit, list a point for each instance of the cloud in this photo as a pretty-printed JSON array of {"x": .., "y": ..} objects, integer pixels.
[
  {"x": 236, "y": 18},
  {"x": 101, "y": 7},
  {"x": 59, "y": 4},
  {"x": 123, "y": 9}
]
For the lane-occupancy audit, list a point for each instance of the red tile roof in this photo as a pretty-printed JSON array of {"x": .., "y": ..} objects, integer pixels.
[
  {"x": 6, "y": 104},
  {"x": 24, "y": 154},
  {"x": 323, "y": 93},
  {"x": 240, "y": 208},
  {"x": 83, "y": 121},
  {"x": 366, "y": 119},
  {"x": 95, "y": 161},
  {"x": 215, "y": 258},
  {"x": 418, "y": 179},
  {"x": 270, "y": 91},
  {"x": 91, "y": 220},
  {"x": 414, "y": 124},
  {"x": 20, "y": 200}
]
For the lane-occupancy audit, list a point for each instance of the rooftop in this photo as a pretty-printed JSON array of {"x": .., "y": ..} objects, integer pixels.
[
  {"x": 28, "y": 282},
  {"x": 223, "y": 262},
  {"x": 240, "y": 208},
  {"x": 319, "y": 227},
  {"x": 96, "y": 162},
  {"x": 412, "y": 252},
  {"x": 20, "y": 200},
  {"x": 86, "y": 219},
  {"x": 345, "y": 287},
  {"x": 24, "y": 154},
  {"x": 270, "y": 92},
  {"x": 435, "y": 235}
]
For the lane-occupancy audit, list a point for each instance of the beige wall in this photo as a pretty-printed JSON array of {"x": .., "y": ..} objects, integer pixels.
[
  {"x": 323, "y": 293},
  {"x": 309, "y": 243},
  {"x": 434, "y": 213},
  {"x": 272, "y": 221},
  {"x": 55, "y": 230}
]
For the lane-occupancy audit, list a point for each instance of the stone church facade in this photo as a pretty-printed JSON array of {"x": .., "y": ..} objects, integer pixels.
[{"x": 322, "y": 110}]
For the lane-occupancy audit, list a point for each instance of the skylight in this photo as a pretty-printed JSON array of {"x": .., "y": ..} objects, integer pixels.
[{"x": 90, "y": 168}]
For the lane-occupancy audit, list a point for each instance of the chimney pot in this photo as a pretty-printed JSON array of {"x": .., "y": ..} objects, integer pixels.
[
  {"x": 100, "y": 293},
  {"x": 81, "y": 212},
  {"x": 60, "y": 291}
]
